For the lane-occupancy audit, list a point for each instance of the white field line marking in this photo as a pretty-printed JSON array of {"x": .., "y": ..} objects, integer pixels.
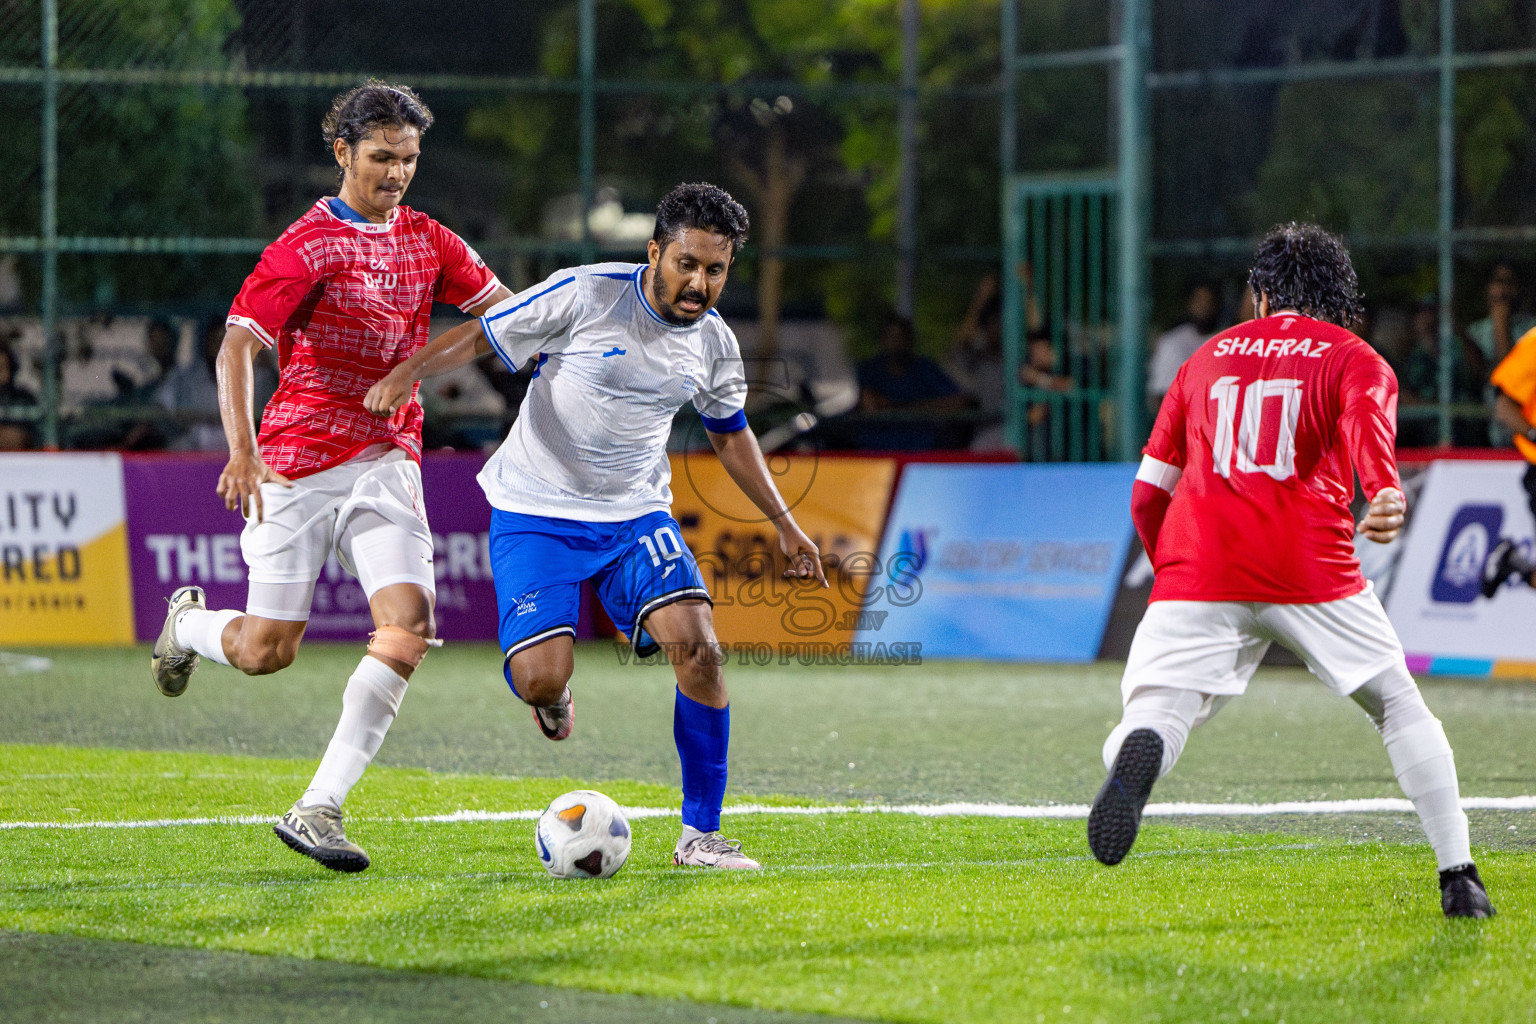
[
  {"x": 373, "y": 878},
  {"x": 950, "y": 810}
]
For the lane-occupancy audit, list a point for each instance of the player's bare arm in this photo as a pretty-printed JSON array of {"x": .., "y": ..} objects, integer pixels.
[
  {"x": 743, "y": 459},
  {"x": 448, "y": 351},
  {"x": 1506, "y": 411},
  {"x": 1384, "y": 518},
  {"x": 245, "y": 472}
]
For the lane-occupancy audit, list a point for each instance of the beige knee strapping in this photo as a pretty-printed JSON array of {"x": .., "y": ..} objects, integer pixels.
[{"x": 400, "y": 645}]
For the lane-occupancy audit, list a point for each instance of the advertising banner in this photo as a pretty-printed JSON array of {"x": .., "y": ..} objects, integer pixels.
[
  {"x": 179, "y": 533},
  {"x": 63, "y": 559},
  {"x": 839, "y": 502},
  {"x": 1436, "y": 602},
  {"x": 1018, "y": 562}
]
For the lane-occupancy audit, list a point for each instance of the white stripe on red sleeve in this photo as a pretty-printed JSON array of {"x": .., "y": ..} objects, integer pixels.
[
  {"x": 481, "y": 295},
  {"x": 1159, "y": 474},
  {"x": 252, "y": 326}
]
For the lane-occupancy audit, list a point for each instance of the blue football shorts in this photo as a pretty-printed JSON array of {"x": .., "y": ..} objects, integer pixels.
[{"x": 539, "y": 564}]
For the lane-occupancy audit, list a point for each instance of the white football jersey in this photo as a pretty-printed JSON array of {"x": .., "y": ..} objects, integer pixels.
[{"x": 590, "y": 442}]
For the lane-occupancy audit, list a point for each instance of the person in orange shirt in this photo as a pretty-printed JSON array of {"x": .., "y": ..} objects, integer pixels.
[{"x": 1514, "y": 381}]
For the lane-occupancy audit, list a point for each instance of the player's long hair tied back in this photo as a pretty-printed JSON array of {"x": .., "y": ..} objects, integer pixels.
[
  {"x": 704, "y": 206},
  {"x": 1305, "y": 268},
  {"x": 374, "y": 104}
]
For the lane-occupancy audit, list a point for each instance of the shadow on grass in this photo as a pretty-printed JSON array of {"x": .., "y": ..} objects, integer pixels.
[{"x": 66, "y": 979}]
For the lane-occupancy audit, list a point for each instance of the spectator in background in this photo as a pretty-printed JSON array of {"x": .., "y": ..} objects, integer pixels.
[
  {"x": 975, "y": 359},
  {"x": 1488, "y": 340},
  {"x": 1415, "y": 358},
  {"x": 975, "y": 362},
  {"x": 194, "y": 388},
  {"x": 1039, "y": 372},
  {"x": 15, "y": 434},
  {"x": 1173, "y": 347},
  {"x": 161, "y": 342},
  {"x": 901, "y": 380},
  {"x": 86, "y": 378},
  {"x": 10, "y": 285}
]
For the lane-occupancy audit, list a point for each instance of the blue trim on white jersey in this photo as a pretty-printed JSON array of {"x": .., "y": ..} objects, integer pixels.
[
  {"x": 728, "y": 425},
  {"x": 554, "y": 287},
  {"x": 543, "y": 358},
  {"x": 620, "y": 276},
  {"x": 485, "y": 329}
]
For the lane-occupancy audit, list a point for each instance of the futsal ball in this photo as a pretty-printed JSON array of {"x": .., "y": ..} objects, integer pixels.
[{"x": 582, "y": 834}]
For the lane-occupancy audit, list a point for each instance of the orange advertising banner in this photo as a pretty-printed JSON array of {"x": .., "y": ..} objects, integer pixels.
[{"x": 839, "y": 501}]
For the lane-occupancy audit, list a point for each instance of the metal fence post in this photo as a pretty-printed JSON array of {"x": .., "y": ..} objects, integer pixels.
[
  {"x": 1447, "y": 225},
  {"x": 588, "y": 157},
  {"x": 1134, "y": 185},
  {"x": 50, "y": 224},
  {"x": 906, "y": 228},
  {"x": 1013, "y": 314}
]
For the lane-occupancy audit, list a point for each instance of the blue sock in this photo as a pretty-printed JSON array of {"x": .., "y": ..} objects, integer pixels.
[{"x": 703, "y": 735}]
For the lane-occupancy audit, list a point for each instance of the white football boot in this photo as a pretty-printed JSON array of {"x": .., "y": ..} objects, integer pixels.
[
  {"x": 317, "y": 833},
  {"x": 171, "y": 665},
  {"x": 711, "y": 850}
]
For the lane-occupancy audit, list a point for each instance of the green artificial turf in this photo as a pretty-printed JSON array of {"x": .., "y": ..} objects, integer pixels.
[
  {"x": 868, "y": 916},
  {"x": 932, "y": 732},
  {"x": 878, "y": 916}
]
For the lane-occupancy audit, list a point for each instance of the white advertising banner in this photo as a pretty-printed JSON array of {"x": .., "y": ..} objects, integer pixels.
[{"x": 1436, "y": 600}]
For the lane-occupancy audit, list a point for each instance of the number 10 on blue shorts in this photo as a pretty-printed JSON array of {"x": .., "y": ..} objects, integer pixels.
[{"x": 540, "y": 562}]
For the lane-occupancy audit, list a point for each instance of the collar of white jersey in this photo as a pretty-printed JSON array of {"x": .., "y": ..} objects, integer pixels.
[
  {"x": 645, "y": 304},
  {"x": 367, "y": 227}
]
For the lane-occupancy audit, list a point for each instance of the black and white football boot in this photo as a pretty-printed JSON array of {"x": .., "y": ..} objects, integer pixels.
[
  {"x": 1505, "y": 560},
  {"x": 1116, "y": 815},
  {"x": 558, "y": 719},
  {"x": 1462, "y": 893}
]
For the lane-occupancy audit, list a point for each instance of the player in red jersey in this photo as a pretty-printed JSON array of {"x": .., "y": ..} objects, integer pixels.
[
  {"x": 1242, "y": 502},
  {"x": 344, "y": 295}
]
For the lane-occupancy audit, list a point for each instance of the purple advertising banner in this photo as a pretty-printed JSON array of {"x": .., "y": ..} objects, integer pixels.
[{"x": 180, "y": 533}]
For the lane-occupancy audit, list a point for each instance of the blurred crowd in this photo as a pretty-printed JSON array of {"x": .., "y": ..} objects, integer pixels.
[{"x": 145, "y": 383}]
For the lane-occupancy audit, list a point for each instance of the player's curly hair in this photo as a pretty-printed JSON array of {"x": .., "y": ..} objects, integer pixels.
[
  {"x": 704, "y": 206},
  {"x": 375, "y": 104},
  {"x": 1303, "y": 267}
]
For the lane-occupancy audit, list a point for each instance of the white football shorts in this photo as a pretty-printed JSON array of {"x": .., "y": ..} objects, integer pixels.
[
  {"x": 1214, "y": 647},
  {"x": 368, "y": 510}
]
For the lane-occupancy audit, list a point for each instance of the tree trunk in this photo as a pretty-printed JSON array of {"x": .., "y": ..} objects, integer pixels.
[{"x": 773, "y": 191}]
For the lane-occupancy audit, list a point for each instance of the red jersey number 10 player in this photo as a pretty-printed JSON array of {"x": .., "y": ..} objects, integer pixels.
[
  {"x": 344, "y": 295},
  {"x": 1243, "y": 504}
]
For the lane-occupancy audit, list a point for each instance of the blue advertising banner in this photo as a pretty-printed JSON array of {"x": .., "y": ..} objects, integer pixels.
[{"x": 1004, "y": 562}]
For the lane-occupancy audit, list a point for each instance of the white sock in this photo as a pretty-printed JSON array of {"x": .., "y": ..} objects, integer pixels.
[
  {"x": 689, "y": 835},
  {"x": 203, "y": 631},
  {"x": 1166, "y": 710},
  {"x": 369, "y": 703},
  {"x": 1426, "y": 769}
]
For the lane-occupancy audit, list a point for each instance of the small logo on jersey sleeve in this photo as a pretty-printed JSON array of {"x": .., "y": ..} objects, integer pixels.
[
  {"x": 1473, "y": 531},
  {"x": 615, "y": 351}
]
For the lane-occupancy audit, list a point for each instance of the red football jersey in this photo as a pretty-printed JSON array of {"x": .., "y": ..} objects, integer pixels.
[
  {"x": 345, "y": 301},
  {"x": 1259, "y": 440}
]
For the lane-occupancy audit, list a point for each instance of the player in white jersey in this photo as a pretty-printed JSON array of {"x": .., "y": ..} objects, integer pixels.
[{"x": 580, "y": 488}]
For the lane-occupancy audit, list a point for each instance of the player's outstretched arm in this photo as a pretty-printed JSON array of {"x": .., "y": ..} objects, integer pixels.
[
  {"x": 245, "y": 472},
  {"x": 743, "y": 459},
  {"x": 448, "y": 351}
]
